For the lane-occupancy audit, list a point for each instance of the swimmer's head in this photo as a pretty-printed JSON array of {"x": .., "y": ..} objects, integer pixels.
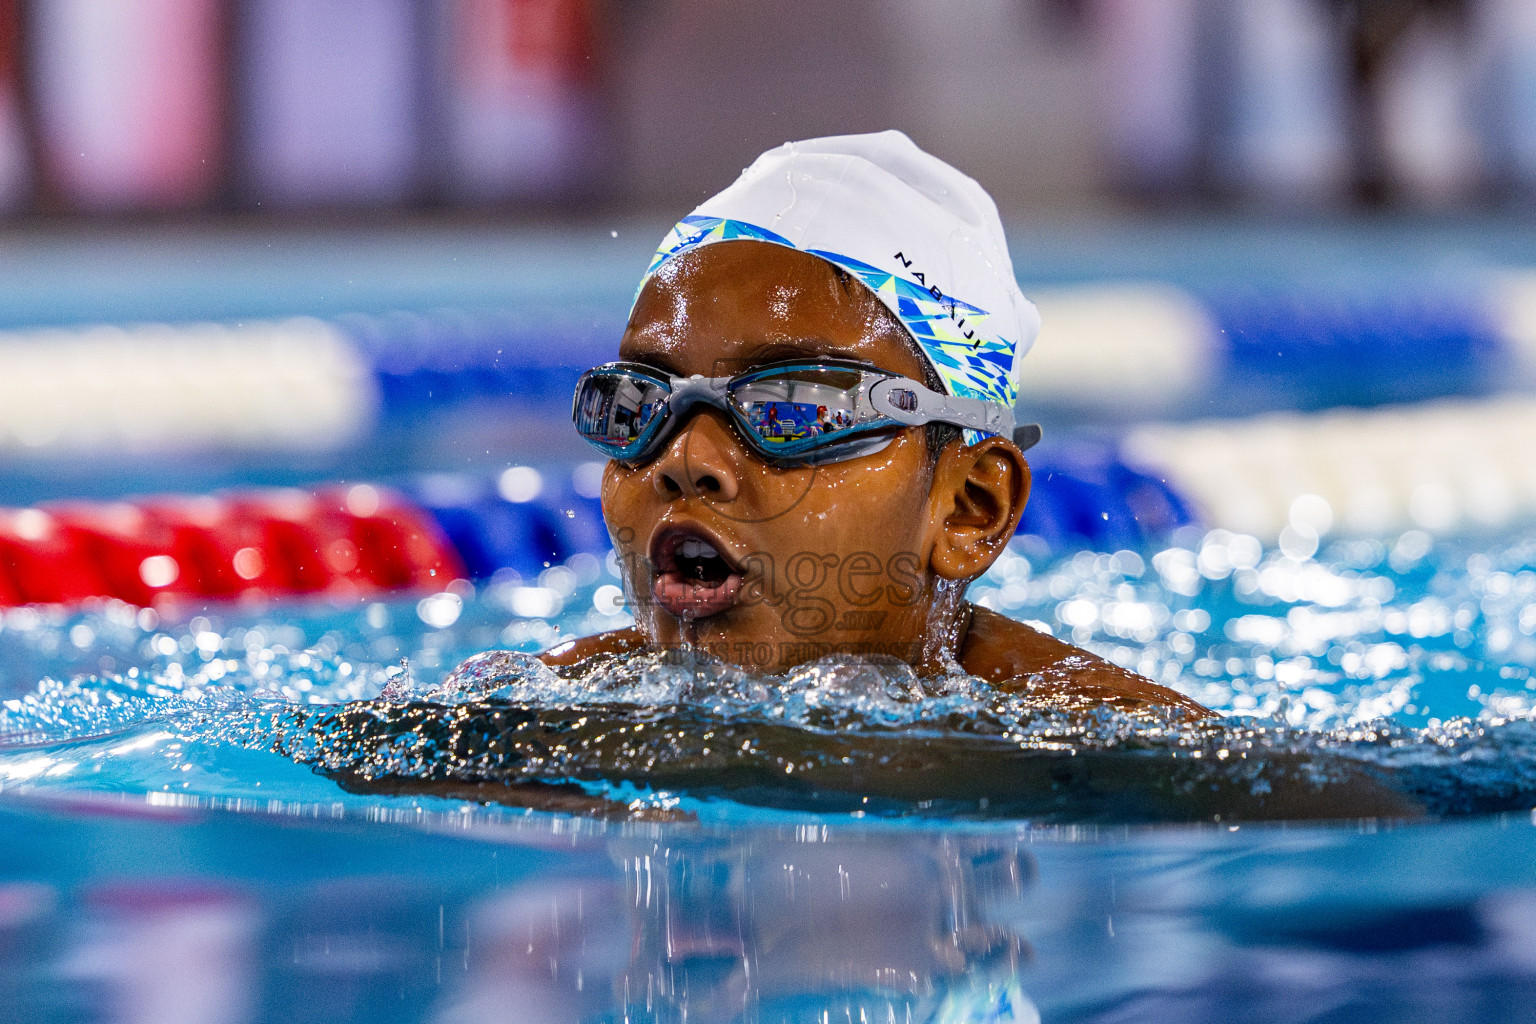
[
  {"x": 861, "y": 249},
  {"x": 925, "y": 239}
]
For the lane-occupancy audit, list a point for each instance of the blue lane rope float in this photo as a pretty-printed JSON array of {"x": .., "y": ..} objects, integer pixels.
[
  {"x": 1363, "y": 348},
  {"x": 1111, "y": 352},
  {"x": 525, "y": 520},
  {"x": 425, "y": 361}
]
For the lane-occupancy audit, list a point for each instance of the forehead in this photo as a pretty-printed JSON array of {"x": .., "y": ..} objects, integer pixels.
[{"x": 731, "y": 305}]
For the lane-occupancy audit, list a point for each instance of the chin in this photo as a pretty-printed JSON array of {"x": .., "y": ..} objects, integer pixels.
[{"x": 755, "y": 638}]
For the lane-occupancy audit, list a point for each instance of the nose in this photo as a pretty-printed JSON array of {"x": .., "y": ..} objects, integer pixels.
[{"x": 699, "y": 461}]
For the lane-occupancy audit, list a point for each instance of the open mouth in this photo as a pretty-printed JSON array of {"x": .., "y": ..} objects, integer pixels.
[{"x": 693, "y": 579}]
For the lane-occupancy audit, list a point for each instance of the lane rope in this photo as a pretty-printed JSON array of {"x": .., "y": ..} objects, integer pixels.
[{"x": 1112, "y": 351}]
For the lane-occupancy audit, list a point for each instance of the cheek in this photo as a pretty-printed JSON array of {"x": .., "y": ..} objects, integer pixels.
[
  {"x": 620, "y": 497},
  {"x": 878, "y": 503},
  {"x": 613, "y": 477},
  {"x": 891, "y": 487}
]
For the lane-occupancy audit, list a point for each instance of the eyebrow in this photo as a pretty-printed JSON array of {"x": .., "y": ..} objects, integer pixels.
[
  {"x": 815, "y": 348},
  {"x": 660, "y": 363},
  {"x": 779, "y": 351}
]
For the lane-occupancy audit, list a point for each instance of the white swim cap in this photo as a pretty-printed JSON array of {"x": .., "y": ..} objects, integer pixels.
[{"x": 923, "y": 237}]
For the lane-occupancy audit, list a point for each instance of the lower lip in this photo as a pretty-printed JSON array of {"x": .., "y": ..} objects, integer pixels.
[{"x": 690, "y": 599}]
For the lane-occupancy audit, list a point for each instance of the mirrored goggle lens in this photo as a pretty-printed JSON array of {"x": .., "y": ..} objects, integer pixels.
[
  {"x": 804, "y": 408},
  {"x": 614, "y": 409}
]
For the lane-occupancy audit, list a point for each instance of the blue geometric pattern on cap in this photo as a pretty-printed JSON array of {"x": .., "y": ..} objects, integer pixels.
[
  {"x": 972, "y": 362},
  {"x": 692, "y": 232}
]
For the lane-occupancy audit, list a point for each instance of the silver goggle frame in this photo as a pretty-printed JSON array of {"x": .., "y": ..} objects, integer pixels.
[{"x": 898, "y": 401}]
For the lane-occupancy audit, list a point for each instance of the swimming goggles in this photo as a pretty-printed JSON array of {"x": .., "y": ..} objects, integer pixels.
[{"x": 788, "y": 413}]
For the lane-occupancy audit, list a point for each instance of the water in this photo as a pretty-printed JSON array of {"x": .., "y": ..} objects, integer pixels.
[
  {"x": 1401, "y": 667},
  {"x": 741, "y": 835}
]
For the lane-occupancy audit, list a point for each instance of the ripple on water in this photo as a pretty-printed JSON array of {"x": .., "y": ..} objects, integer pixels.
[{"x": 1378, "y": 678}]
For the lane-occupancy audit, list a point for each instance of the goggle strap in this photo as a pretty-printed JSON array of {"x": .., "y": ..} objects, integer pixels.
[{"x": 907, "y": 401}]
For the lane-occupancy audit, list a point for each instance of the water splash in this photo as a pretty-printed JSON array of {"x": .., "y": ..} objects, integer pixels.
[{"x": 1378, "y": 678}]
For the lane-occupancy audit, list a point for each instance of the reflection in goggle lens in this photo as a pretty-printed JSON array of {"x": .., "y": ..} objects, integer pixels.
[
  {"x": 615, "y": 408},
  {"x": 796, "y": 405}
]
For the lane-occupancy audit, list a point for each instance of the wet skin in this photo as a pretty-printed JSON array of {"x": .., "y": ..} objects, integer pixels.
[{"x": 868, "y": 556}]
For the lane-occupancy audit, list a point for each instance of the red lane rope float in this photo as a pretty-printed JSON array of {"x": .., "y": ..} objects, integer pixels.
[{"x": 337, "y": 542}]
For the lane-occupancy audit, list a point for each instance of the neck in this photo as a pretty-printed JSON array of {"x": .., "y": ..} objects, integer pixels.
[{"x": 944, "y": 632}]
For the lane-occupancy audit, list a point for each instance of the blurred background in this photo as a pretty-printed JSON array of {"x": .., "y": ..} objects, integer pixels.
[
  {"x": 293, "y": 294},
  {"x": 506, "y": 107},
  {"x": 248, "y": 242}
]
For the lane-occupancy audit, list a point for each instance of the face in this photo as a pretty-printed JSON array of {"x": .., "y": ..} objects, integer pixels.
[{"x": 763, "y": 566}]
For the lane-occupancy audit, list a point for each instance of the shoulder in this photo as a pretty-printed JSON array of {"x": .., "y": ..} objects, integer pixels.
[
  {"x": 618, "y": 641},
  {"x": 1016, "y": 658}
]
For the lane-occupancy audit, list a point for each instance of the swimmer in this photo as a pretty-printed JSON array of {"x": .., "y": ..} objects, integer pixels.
[{"x": 859, "y": 283}]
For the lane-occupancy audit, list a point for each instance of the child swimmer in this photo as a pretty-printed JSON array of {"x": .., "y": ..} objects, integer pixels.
[{"x": 811, "y": 428}]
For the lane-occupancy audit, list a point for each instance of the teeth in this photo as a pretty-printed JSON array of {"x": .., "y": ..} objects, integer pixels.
[{"x": 692, "y": 547}]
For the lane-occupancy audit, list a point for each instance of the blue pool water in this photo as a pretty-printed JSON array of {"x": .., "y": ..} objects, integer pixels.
[
  {"x": 666, "y": 840},
  {"x": 287, "y": 812}
]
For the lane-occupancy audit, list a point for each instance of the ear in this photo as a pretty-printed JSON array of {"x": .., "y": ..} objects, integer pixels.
[{"x": 979, "y": 492}]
